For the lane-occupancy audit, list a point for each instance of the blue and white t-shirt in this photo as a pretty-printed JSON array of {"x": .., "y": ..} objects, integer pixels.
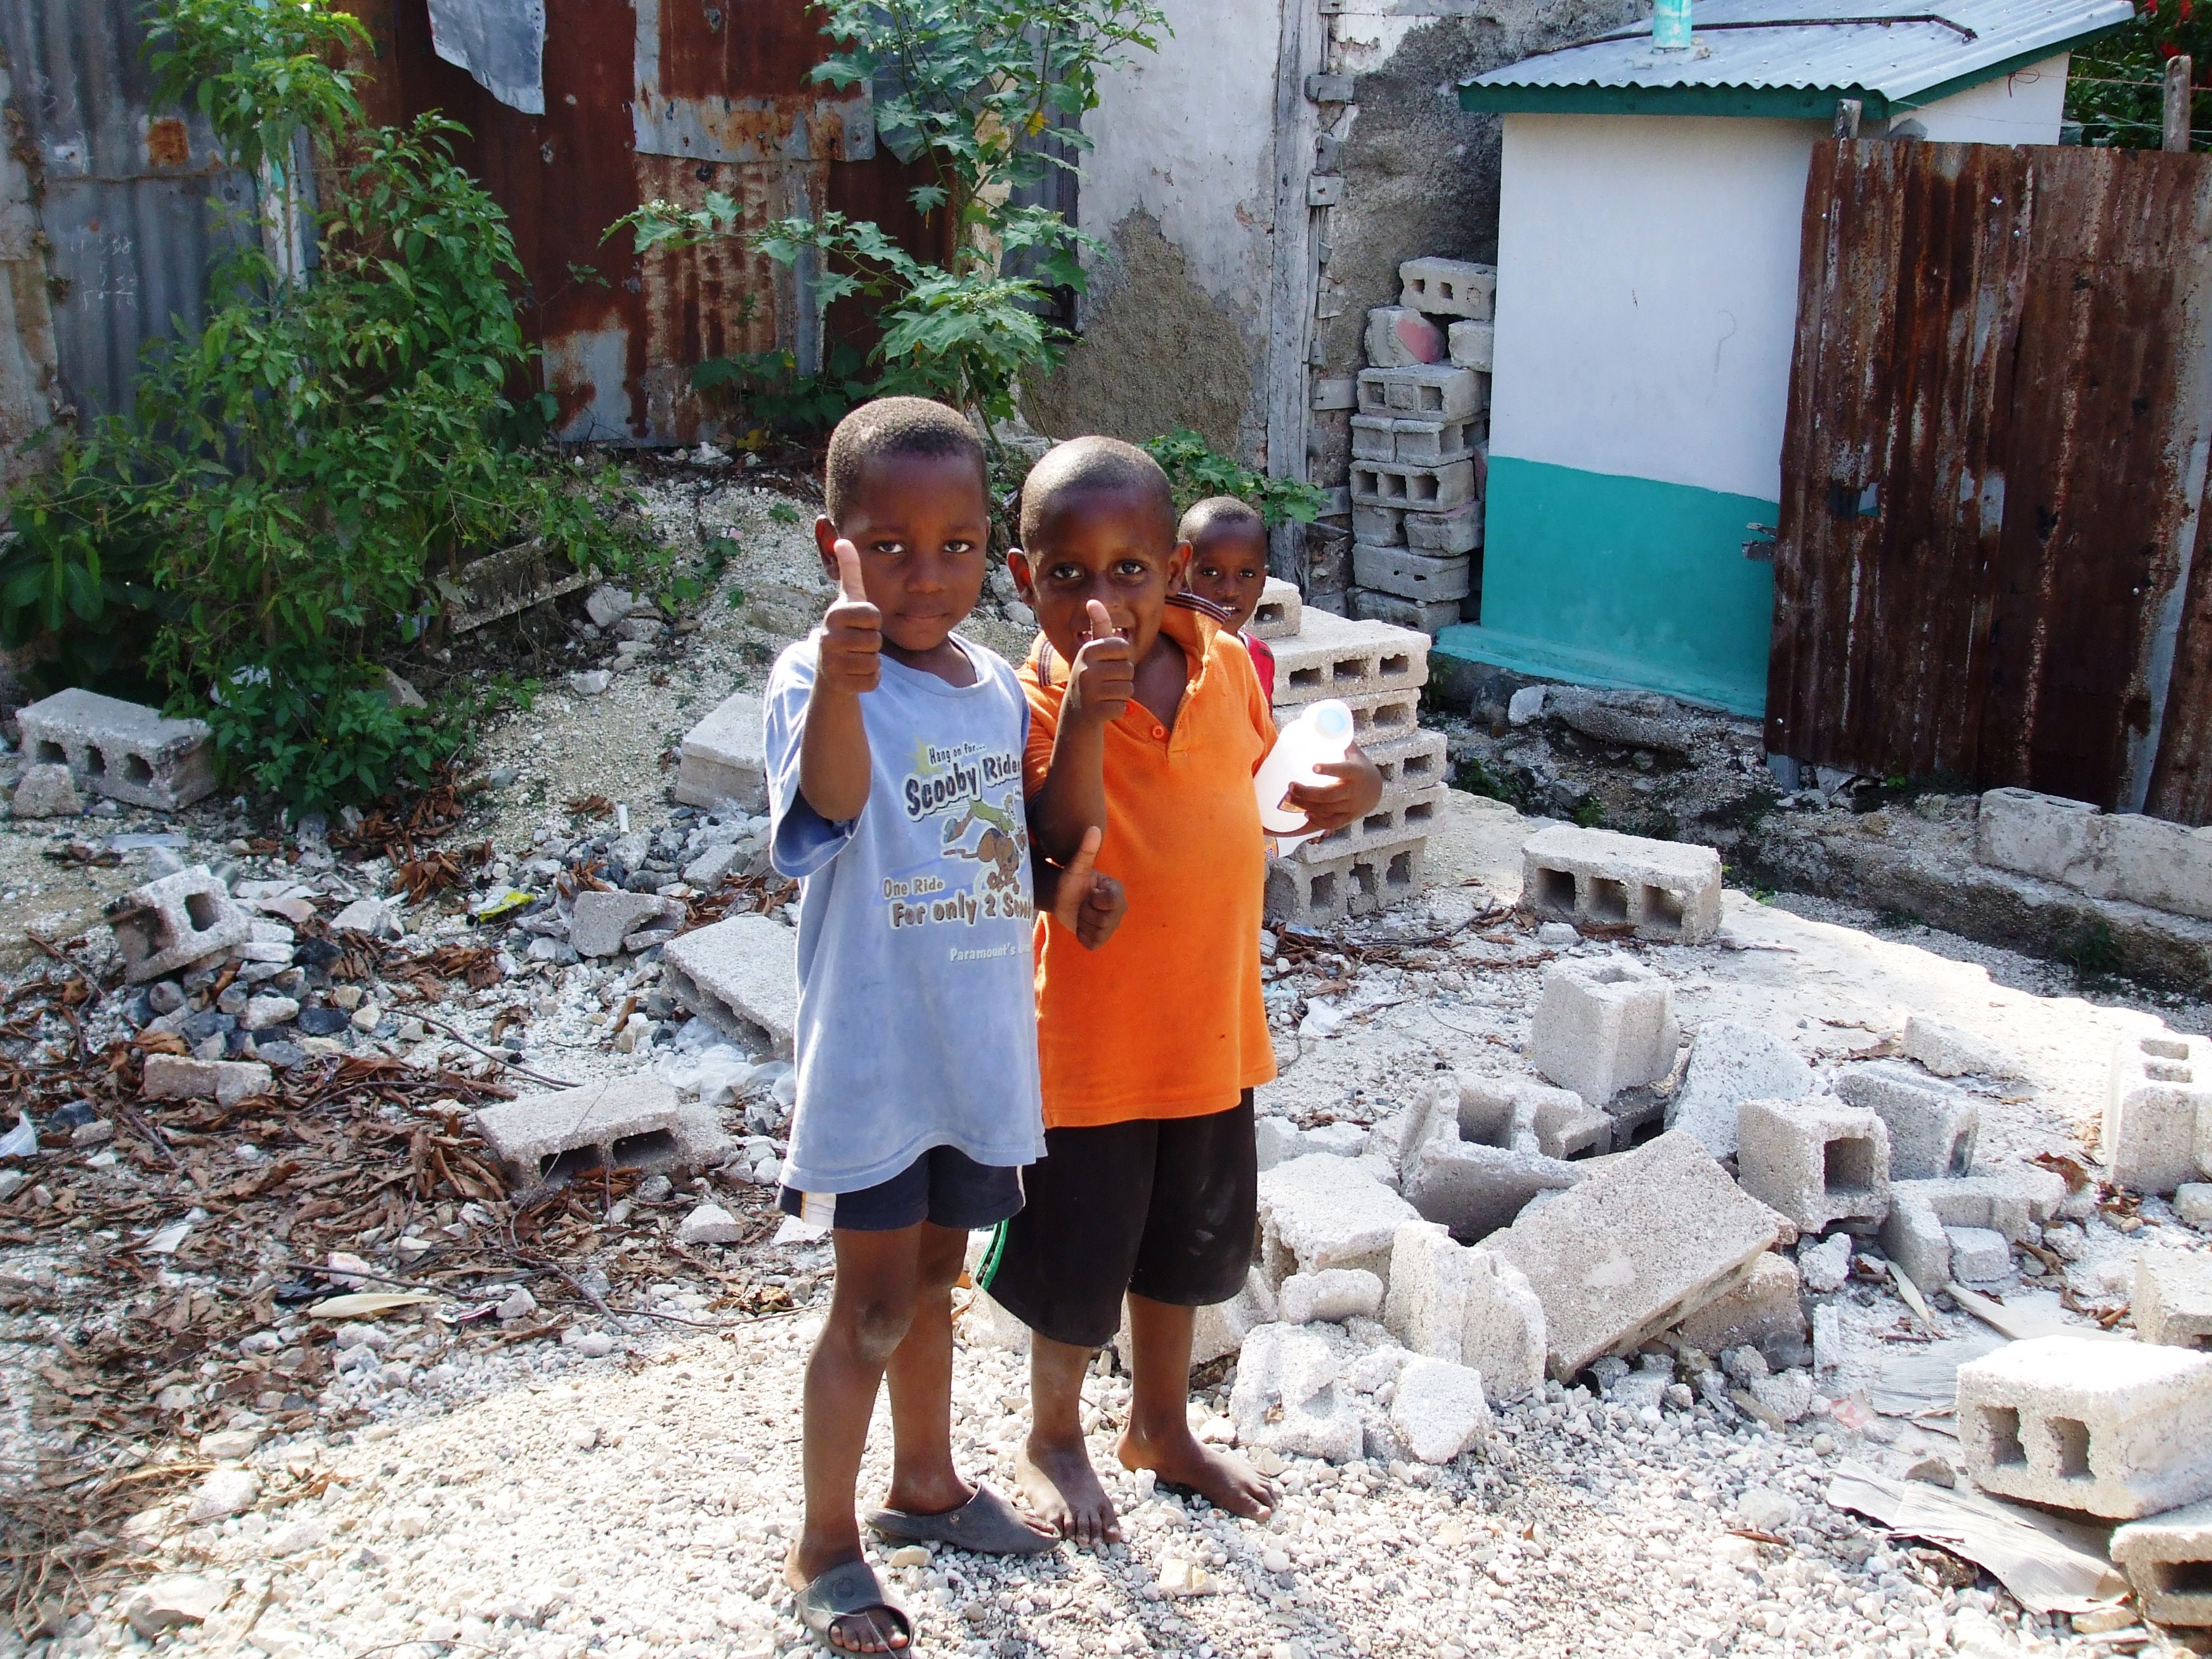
[{"x": 917, "y": 997}]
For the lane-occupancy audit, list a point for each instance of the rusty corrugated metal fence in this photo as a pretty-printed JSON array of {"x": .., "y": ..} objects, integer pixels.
[{"x": 1993, "y": 469}]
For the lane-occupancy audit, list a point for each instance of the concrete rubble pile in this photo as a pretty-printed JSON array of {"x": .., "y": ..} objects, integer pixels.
[
  {"x": 1377, "y": 670},
  {"x": 1421, "y": 447}
]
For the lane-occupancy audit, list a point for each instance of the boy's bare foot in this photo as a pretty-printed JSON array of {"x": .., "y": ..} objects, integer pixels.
[
  {"x": 1062, "y": 1488},
  {"x": 870, "y": 1630},
  {"x": 1222, "y": 1479}
]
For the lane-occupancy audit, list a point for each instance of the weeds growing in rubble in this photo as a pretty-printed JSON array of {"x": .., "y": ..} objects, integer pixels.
[{"x": 277, "y": 510}]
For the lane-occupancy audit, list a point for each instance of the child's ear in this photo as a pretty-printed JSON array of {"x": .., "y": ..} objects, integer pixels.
[
  {"x": 1018, "y": 566},
  {"x": 1179, "y": 565},
  {"x": 825, "y": 543}
]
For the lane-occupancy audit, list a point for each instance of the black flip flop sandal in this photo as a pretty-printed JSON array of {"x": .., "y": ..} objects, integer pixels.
[
  {"x": 986, "y": 1524},
  {"x": 848, "y": 1589}
]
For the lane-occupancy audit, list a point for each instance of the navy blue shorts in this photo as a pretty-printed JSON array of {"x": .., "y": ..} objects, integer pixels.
[{"x": 944, "y": 1187}]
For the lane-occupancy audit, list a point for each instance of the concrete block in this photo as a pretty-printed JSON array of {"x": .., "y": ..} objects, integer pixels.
[
  {"x": 1448, "y": 288},
  {"x": 1653, "y": 1234},
  {"x": 1818, "y": 1160},
  {"x": 1415, "y": 488},
  {"x": 177, "y": 1077},
  {"x": 1951, "y": 1051},
  {"x": 1333, "y": 395},
  {"x": 1373, "y": 439},
  {"x": 1411, "y": 814},
  {"x": 125, "y": 751},
  {"x": 1438, "y": 1410},
  {"x": 1412, "y": 575},
  {"x": 629, "y": 1123},
  {"x": 1410, "y": 765},
  {"x": 1288, "y": 1398},
  {"x": 2037, "y": 835},
  {"x": 1401, "y": 338},
  {"x": 173, "y": 922},
  {"x": 1459, "y": 531},
  {"x": 1932, "y": 1126},
  {"x": 1603, "y": 1025},
  {"x": 2118, "y": 1430},
  {"x": 603, "y": 921},
  {"x": 1464, "y": 1304},
  {"x": 1378, "y": 526},
  {"x": 1421, "y": 616},
  {"x": 2168, "y": 1560},
  {"x": 1436, "y": 443},
  {"x": 1531, "y": 1117},
  {"x": 740, "y": 975},
  {"x": 1277, "y": 615},
  {"x": 1664, "y": 890},
  {"x": 1763, "y": 1311},
  {"x": 1319, "y": 1212},
  {"x": 1333, "y": 657},
  {"x": 1437, "y": 393},
  {"x": 1385, "y": 717},
  {"x": 2173, "y": 1299},
  {"x": 1330, "y": 1296},
  {"x": 2158, "y": 1110},
  {"x": 1979, "y": 1256},
  {"x": 2149, "y": 861},
  {"x": 46, "y": 791},
  {"x": 1356, "y": 883},
  {"x": 1472, "y": 346},
  {"x": 1730, "y": 1064},
  {"x": 724, "y": 758},
  {"x": 1915, "y": 1236},
  {"x": 1473, "y": 1190}
]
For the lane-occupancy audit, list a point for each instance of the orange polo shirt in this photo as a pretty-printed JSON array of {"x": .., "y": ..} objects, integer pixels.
[{"x": 1166, "y": 1020}]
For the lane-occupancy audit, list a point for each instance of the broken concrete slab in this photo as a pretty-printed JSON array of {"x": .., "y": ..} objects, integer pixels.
[
  {"x": 603, "y": 921},
  {"x": 45, "y": 792},
  {"x": 1818, "y": 1160},
  {"x": 179, "y": 1077},
  {"x": 2168, "y": 1560},
  {"x": 1731, "y": 1062},
  {"x": 172, "y": 923},
  {"x": 1915, "y": 1236},
  {"x": 724, "y": 759},
  {"x": 1473, "y": 1190},
  {"x": 1287, "y": 1397},
  {"x": 1452, "y": 1302},
  {"x": 710, "y": 1223},
  {"x": 1321, "y": 1211},
  {"x": 1471, "y": 344},
  {"x": 2158, "y": 1111},
  {"x": 2037, "y": 835},
  {"x": 124, "y": 750},
  {"x": 1603, "y": 1025},
  {"x": 1438, "y": 1410},
  {"x": 162, "y": 1605},
  {"x": 627, "y": 1123},
  {"x": 1951, "y": 1051},
  {"x": 2120, "y": 1430},
  {"x": 1329, "y": 1297},
  {"x": 2172, "y": 1301},
  {"x": 1932, "y": 1126},
  {"x": 1664, "y": 890},
  {"x": 1531, "y": 1117},
  {"x": 1655, "y": 1233},
  {"x": 740, "y": 975},
  {"x": 1764, "y": 1311},
  {"x": 1979, "y": 1256}
]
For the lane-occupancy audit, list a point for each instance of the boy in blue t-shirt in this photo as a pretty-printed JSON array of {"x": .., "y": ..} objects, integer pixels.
[{"x": 895, "y": 777}]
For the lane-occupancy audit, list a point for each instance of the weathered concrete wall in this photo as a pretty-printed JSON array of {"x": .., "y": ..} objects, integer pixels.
[
  {"x": 1180, "y": 187},
  {"x": 1420, "y": 176}
]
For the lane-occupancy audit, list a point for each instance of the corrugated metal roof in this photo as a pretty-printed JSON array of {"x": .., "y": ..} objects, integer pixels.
[{"x": 1892, "y": 55}]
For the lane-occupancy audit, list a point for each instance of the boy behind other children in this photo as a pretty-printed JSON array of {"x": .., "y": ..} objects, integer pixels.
[
  {"x": 1229, "y": 566},
  {"x": 1145, "y": 719},
  {"x": 895, "y": 769}
]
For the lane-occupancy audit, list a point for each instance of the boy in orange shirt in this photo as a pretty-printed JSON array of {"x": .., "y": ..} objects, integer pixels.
[
  {"x": 1146, "y": 721},
  {"x": 1229, "y": 565}
]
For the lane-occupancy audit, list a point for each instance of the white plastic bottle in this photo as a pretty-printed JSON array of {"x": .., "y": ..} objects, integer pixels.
[{"x": 1318, "y": 738}]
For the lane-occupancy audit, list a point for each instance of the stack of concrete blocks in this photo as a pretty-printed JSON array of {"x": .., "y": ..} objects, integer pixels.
[
  {"x": 2117, "y": 855},
  {"x": 1421, "y": 447},
  {"x": 1377, "y": 670}
]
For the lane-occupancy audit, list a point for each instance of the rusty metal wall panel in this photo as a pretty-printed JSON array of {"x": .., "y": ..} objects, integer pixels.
[
  {"x": 29, "y": 378},
  {"x": 1996, "y": 402},
  {"x": 2181, "y": 781},
  {"x": 621, "y": 334},
  {"x": 132, "y": 203}
]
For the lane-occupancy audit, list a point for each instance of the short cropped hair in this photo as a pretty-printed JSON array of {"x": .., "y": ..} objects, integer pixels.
[
  {"x": 888, "y": 427},
  {"x": 1086, "y": 464},
  {"x": 1221, "y": 513}
]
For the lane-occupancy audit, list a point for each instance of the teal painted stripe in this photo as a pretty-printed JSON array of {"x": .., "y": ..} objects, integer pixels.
[{"x": 1612, "y": 581}]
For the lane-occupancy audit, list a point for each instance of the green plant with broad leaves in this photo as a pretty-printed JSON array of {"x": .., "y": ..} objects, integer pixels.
[
  {"x": 1196, "y": 470},
  {"x": 2116, "y": 85},
  {"x": 987, "y": 95},
  {"x": 294, "y": 482}
]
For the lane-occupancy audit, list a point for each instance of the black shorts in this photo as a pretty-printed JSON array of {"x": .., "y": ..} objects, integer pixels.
[
  {"x": 1165, "y": 1207},
  {"x": 943, "y": 1186}
]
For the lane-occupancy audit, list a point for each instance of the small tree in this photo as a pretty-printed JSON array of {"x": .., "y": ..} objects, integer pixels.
[
  {"x": 969, "y": 88},
  {"x": 2116, "y": 87}
]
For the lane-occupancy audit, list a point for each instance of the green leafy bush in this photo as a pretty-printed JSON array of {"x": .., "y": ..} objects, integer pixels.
[
  {"x": 1198, "y": 471},
  {"x": 292, "y": 482},
  {"x": 769, "y": 390},
  {"x": 2116, "y": 86}
]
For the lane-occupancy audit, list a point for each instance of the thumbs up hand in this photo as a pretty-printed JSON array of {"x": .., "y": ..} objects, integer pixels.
[
  {"x": 852, "y": 651},
  {"x": 1088, "y": 904},
  {"x": 1104, "y": 677}
]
